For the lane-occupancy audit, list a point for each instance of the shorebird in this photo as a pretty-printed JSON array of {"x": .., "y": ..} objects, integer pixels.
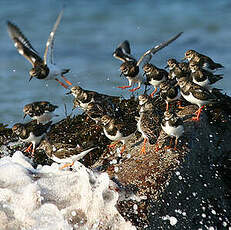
[
  {"x": 195, "y": 94},
  {"x": 146, "y": 121},
  {"x": 84, "y": 97},
  {"x": 42, "y": 68},
  {"x": 177, "y": 69},
  {"x": 68, "y": 158},
  {"x": 130, "y": 66},
  {"x": 203, "y": 77},
  {"x": 31, "y": 133},
  {"x": 41, "y": 111},
  {"x": 173, "y": 126},
  {"x": 117, "y": 131},
  {"x": 169, "y": 92},
  {"x": 202, "y": 60},
  {"x": 154, "y": 76}
]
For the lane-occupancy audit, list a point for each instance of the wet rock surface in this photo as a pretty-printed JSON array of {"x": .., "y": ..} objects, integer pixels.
[{"x": 186, "y": 188}]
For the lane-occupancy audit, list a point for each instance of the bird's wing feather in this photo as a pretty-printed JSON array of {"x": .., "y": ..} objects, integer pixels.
[
  {"x": 146, "y": 57},
  {"x": 22, "y": 44},
  {"x": 123, "y": 52},
  {"x": 50, "y": 41}
]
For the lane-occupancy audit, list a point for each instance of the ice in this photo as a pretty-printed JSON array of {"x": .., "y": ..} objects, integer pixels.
[{"x": 49, "y": 198}]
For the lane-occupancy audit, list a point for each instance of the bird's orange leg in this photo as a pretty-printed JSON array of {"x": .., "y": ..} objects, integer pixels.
[
  {"x": 170, "y": 145},
  {"x": 198, "y": 113},
  {"x": 167, "y": 106},
  {"x": 134, "y": 89},
  {"x": 153, "y": 93},
  {"x": 143, "y": 149},
  {"x": 67, "y": 81},
  {"x": 62, "y": 84},
  {"x": 124, "y": 87},
  {"x": 122, "y": 149},
  {"x": 176, "y": 142}
]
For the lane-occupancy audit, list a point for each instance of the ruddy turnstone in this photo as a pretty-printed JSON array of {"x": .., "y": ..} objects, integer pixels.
[
  {"x": 172, "y": 125},
  {"x": 144, "y": 101},
  {"x": 195, "y": 94},
  {"x": 203, "y": 77},
  {"x": 42, "y": 68},
  {"x": 154, "y": 76},
  {"x": 84, "y": 97},
  {"x": 145, "y": 122},
  {"x": 68, "y": 158},
  {"x": 177, "y": 69},
  {"x": 202, "y": 60},
  {"x": 169, "y": 92},
  {"x": 117, "y": 131},
  {"x": 130, "y": 66},
  {"x": 41, "y": 111},
  {"x": 31, "y": 133},
  {"x": 95, "y": 111}
]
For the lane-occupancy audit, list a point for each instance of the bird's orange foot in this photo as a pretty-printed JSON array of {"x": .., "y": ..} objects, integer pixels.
[
  {"x": 195, "y": 118},
  {"x": 113, "y": 145},
  {"x": 157, "y": 147},
  {"x": 168, "y": 147},
  {"x": 28, "y": 150},
  {"x": 179, "y": 105},
  {"x": 143, "y": 150}
]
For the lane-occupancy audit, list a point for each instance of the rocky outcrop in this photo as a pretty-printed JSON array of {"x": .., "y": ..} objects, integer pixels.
[{"x": 186, "y": 188}]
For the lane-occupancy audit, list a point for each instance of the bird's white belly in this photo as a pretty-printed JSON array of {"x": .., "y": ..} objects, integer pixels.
[
  {"x": 155, "y": 82},
  {"x": 47, "y": 116},
  {"x": 190, "y": 98},
  {"x": 138, "y": 79},
  {"x": 140, "y": 129},
  {"x": 54, "y": 71},
  {"x": 204, "y": 83},
  {"x": 33, "y": 139},
  {"x": 85, "y": 105},
  {"x": 117, "y": 137},
  {"x": 173, "y": 131}
]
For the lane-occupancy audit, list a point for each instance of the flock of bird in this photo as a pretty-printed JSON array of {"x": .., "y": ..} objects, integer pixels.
[{"x": 192, "y": 80}]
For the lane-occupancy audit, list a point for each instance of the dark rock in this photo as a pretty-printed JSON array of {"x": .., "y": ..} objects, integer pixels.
[{"x": 186, "y": 188}]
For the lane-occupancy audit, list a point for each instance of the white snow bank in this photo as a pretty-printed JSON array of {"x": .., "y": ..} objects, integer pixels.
[{"x": 48, "y": 198}]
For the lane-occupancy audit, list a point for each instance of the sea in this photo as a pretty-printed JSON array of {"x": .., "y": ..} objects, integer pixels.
[{"x": 88, "y": 34}]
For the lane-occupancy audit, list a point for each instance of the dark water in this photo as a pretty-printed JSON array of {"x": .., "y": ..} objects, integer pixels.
[{"x": 88, "y": 34}]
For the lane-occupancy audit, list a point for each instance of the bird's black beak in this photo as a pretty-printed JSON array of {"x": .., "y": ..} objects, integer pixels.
[
  {"x": 144, "y": 73},
  {"x": 30, "y": 78},
  {"x": 24, "y": 116},
  {"x": 68, "y": 93},
  {"x": 121, "y": 74},
  {"x": 167, "y": 66}
]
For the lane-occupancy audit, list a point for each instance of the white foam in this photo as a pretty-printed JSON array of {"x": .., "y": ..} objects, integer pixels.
[{"x": 46, "y": 197}]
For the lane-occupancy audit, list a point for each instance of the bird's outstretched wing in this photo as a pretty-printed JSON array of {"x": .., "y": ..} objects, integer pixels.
[
  {"x": 123, "y": 52},
  {"x": 146, "y": 57},
  {"x": 50, "y": 41},
  {"x": 22, "y": 44}
]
